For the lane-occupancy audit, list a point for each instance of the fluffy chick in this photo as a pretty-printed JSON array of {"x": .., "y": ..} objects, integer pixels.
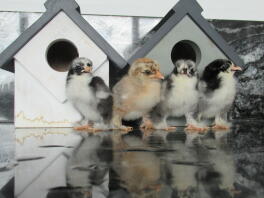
[
  {"x": 89, "y": 95},
  {"x": 137, "y": 92},
  {"x": 217, "y": 88},
  {"x": 179, "y": 96}
]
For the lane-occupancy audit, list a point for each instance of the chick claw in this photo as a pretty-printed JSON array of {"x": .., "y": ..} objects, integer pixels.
[
  {"x": 171, "y": 128},
  {"x": 82, "y": 128},
  {"x": 126, "y": 128},
  {"x": 220, "y": 127},
  {"x": 193, "y": 128}
]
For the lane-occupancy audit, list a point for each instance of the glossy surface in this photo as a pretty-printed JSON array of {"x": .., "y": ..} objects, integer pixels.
[{"x": 65, "y": 163}]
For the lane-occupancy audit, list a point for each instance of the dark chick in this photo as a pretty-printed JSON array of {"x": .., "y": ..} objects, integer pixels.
[
  {"x": 217, "y": 88},
  {"x": 89, "y": 95}
]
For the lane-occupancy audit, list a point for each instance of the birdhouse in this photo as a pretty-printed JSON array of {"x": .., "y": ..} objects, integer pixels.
[
  {"x": 184, "y": 34},
  {"x": 41, "y": 57}
]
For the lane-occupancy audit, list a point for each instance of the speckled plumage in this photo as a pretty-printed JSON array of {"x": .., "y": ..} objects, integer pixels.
[
  {"x": 137, "y": 92},
  {"x": 179, "y": 95},
  {"x": 89, "y": 94}
]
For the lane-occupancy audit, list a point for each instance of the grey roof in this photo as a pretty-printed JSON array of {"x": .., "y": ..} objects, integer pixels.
[
  {"x": 174, "y": 16},
  {"x": 72, "y": 9}
]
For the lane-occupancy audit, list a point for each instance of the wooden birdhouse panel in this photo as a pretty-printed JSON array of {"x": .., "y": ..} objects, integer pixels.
[
  {"x": 36, "y": 107},
  {"x": 185, "y": 40},
  {"x": 48, "y": 54},
  {"x": 103, "y": 71}
]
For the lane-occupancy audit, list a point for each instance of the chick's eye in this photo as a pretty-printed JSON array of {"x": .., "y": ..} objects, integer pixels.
[
  {"x": 192, "y": 71},
  {"x": 224, "y": 67},
  {"x": 147, "y": 72},
  {"x": 89, "y": 64}
]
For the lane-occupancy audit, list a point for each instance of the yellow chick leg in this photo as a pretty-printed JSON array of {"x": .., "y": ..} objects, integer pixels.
[
  {"x": 193, "y": 128},
  {"x": 82, "y": 128},
  {"x": 117, "y": 120},
  {"x": 220, "y": 127}
]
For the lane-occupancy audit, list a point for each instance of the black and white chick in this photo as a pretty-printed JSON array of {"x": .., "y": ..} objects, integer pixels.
[
  {"x": 217, "y": 88},
  {"x": 179, "y": 96},
  {"x": 89, "y": 95}
]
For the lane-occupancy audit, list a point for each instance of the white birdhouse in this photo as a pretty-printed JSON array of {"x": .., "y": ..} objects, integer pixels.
[{"x": 41, "y": 57}]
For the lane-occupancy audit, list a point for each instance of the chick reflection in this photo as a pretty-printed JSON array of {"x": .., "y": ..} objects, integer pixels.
[
  {"x": 88, "y": 166},
  {"x": 201, "y": 166},
  {"x": 183, "y": 163},
  {"x": 137, "y": 167},
  {"x": 216, "y": 179}
]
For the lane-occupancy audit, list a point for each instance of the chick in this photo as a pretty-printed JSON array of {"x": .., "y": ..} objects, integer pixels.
[
  {"x": 137, "y": 92},
  {"x": 217, "y": 88},
  {"x": 89, "y": 95},
  {"x": 179, "y": 96}
]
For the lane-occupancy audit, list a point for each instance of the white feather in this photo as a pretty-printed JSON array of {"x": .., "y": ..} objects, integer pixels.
[
  {"x": 82, "y": 96},
  {"x": 221, "y": 97},
  {"x": 183, "y": 97},
  {"x": 102, "y": 94}
]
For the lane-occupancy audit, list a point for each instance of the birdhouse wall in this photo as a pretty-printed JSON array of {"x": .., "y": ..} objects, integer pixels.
[
  {"x": 33, "y": 54},
  {"x": 185, "y": 30},
  {"x": 40, "y": 99},
  {"x": 36, "y": 107}
]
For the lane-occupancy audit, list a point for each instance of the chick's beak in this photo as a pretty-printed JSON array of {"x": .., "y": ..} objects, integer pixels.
[
  {"x": 158, "y": 75},
  {"x": 87, "y": 69},
  {"x": 236, "y": 68}
]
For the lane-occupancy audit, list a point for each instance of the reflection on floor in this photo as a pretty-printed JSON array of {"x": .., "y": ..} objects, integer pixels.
[
  {"x": 7, "y": 153},
  {"x": 217, "y": 164}
]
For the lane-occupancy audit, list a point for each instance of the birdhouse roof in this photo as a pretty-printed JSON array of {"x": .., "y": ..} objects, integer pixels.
[
  {"x": 185, "y": 8},
  {"x": 72, "y": 10}
]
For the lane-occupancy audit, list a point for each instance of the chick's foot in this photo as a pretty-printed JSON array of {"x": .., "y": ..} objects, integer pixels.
[
  {"x": 171, "y": 128},
  {"x": 82, "y": 128},
  {"x": 193, "y": 128},
  {"x": 220, "y": 127}
]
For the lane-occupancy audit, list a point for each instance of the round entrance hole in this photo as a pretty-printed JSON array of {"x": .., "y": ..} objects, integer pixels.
[
  {"x": 60, "y": 54},
  {"x": 186, "y": 50}
]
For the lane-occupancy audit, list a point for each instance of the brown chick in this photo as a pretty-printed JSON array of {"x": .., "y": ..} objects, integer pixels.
[{"x": 137, "y": 92}]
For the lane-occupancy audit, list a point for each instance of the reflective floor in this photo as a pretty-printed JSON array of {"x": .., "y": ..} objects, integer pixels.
[{"x": 217, "y": 164}]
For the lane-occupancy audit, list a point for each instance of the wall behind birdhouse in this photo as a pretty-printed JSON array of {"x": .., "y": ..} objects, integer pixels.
[
  {"x": 127, "y": 34},
  {"x": 213, "y": 9}
]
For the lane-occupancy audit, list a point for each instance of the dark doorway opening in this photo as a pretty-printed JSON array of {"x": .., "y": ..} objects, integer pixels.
[
  {"x": 60, "y": 54},
  {"x": 186, "y": 50}
]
